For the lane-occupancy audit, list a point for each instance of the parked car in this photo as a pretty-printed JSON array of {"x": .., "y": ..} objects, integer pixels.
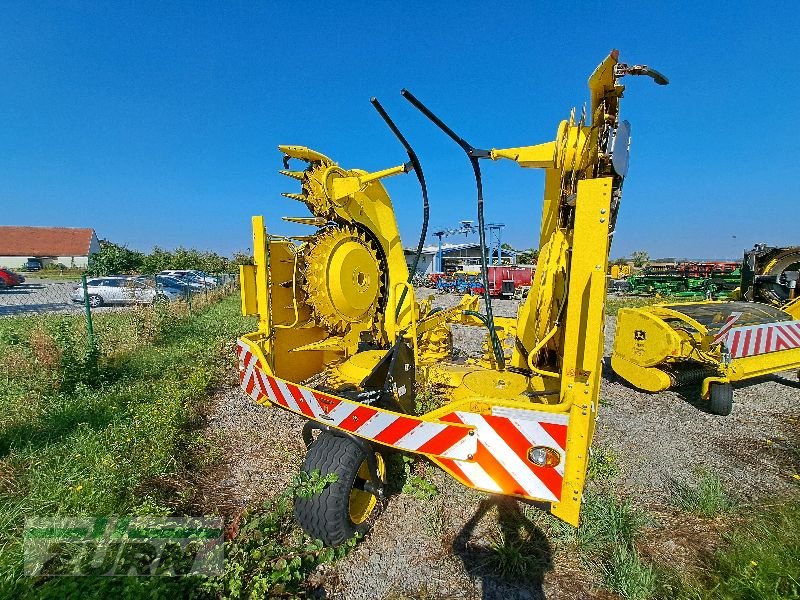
[
  {"x": 10, "y": 279},
  {"x": 32, "y": 264},
  {"x": 122, "y": 290},
  {"x": 192, "y": 276},
  {"x": 167, "y": 281}
]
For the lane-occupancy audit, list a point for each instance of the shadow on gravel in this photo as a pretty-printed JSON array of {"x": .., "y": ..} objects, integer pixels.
[{"x": 512, "y": 563}]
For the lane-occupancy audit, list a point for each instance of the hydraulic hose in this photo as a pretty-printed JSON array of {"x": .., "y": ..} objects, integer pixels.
[
  {"x": 417, "y": 167},
  {"x": 474, "y": 154}
]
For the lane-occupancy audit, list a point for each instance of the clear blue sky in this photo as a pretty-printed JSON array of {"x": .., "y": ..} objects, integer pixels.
[{"x": 157, "y": 123}]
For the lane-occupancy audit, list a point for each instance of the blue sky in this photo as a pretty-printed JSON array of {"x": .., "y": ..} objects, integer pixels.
[{"x": 157, "y": 123}]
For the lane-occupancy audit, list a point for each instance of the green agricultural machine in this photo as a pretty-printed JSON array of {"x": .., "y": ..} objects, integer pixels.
[{"x": 715, "y": 281}]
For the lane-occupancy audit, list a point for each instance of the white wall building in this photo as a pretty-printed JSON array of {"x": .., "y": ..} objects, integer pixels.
[{"x": 68, "y": 246}]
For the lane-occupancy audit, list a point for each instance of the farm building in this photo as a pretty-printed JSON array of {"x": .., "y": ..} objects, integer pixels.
[
  {"x": 68, "y": 246},
  {"x": 455, "y": 257}
]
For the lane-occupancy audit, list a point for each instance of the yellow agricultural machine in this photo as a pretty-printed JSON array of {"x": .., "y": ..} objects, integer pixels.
[
  {"x": 716, "y": 343},
  {"x": 343, "y": 341}
]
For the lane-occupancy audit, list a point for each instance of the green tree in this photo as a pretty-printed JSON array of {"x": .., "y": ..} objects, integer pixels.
[
  {"x": 114, "y": 258},
  {"x": 158, "y": 260},
  {"x": 640, "y": 257},
  {"x": 242, "y": 258},
  {"x": 524, "y": 257}
]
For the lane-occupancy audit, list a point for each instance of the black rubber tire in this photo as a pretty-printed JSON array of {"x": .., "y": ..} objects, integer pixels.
[
  {"x": 326, "y": 516},
  {"x": 160, "y": 299},
  {"x": 95, "y": 301},
  {"x": 721, "y": 399}
]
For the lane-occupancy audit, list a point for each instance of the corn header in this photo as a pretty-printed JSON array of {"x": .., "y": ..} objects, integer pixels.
[
  {"x": 343, "y": 341},
  {"x": 716, "y": 344}
]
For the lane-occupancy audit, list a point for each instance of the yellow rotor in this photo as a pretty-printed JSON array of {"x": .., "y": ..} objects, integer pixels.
[{"x": 343, "y": 278}]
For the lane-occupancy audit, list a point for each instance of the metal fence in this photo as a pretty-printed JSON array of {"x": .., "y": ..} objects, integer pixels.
[{"x": 40, "y": 293}]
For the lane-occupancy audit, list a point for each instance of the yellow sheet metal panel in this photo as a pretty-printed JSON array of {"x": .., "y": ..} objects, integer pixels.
[
  {"x": 583, "y": 336},
  {"x": 764, "y": 364},
  {"x": 644, "y": 339},
  {"x": 649, "y": 379},
  {"x": 247, "y": 282}
]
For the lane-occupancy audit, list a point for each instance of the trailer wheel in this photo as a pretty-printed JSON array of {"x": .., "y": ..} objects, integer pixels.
[
  {"x": 721, "y": 399},
  {"x": 344, "y": 508}
]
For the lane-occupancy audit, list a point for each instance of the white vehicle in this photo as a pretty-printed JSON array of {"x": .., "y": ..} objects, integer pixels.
[
  {"x": 194, "y": 278},
  {"x": 122, "y": 290}
]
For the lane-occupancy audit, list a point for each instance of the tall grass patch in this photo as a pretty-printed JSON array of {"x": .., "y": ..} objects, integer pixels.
[
  {"x": 760, "y": 560},
  {"x": 704, "y": 496},
  {"x": 83, "y": 435}
]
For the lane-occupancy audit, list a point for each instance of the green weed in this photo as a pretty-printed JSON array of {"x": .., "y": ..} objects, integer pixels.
[
  {"x": 512, "y": 557},
  {"x": 608, "y": 522},
  {"x": 625, "y": 574},
  {"x": 603, "y": 464},
  {"x": 705, "y": 496},
  {"x": 760, "y": 560},
  {"x": 270, "y": 556}
]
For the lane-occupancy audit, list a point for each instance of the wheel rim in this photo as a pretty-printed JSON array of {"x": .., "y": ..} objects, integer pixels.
[
  {"x": 94, "y": 301},
  {"x": 362, "y": 503}
]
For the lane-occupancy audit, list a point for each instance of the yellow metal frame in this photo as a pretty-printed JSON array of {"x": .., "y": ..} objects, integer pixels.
[{"x": 555, "y": 361}]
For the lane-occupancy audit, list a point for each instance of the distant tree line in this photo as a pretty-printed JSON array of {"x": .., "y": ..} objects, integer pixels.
[
  {"x": 639, "y": 258},
  {"x": 524, "y": 257},
  {"x": 118, "y": 259}
]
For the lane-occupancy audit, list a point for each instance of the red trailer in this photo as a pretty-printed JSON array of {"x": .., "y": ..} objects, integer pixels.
[{"x": 504, "y": 280}]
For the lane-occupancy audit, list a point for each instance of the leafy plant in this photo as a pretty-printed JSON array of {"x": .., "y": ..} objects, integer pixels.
[
  {"x": 270, "y": 556},
  {"x": 402, "y": 477},
  {"x": 759, "y": 561},
  {"x": 603, "y": 464}
]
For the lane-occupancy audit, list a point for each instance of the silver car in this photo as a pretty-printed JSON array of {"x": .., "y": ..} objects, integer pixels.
[{"x": 122, "y": 290}]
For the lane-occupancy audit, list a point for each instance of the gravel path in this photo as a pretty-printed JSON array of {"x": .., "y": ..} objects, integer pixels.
[{"x": 438, "y": 548}]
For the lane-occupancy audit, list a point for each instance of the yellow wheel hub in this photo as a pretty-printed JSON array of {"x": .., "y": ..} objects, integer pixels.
[
  {"x": 343, "y": 279},
  {"x": 362, "y": 503}
]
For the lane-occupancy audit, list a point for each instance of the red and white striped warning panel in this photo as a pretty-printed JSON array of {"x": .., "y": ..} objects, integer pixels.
[
  {"x": 501, "y": 463},
  {"x": 726, "y": 327},
  {"x": 445, "y": 440},
  {"x": 752, "y": 340}
]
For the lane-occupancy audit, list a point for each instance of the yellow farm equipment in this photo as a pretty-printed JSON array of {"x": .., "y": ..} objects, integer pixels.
[
  {"x": 344, "y": 342},
  {"x": 711, "y": 343}
]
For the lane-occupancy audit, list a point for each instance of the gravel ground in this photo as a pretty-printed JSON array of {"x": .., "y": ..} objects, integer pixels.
[{"x": 438, "y": 548}]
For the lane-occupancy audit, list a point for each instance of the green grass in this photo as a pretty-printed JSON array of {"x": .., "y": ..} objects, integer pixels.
[
  {"x": 705, "y": 496},
  {"x": 79, "y": 440},
  {"x": 626, "y": 574},
  {"x": 759, "y": 561}
]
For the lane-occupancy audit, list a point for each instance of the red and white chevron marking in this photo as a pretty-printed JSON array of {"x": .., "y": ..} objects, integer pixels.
[
  {"x": 501, "y": 464},
  {"x": 406, "y": 433},
  {"x": 726, "y": 327},
  {"x": 752, "y": 340}
]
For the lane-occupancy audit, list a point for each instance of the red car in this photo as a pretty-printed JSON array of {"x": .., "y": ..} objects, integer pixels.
[{"x": 9, "y": 279}]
